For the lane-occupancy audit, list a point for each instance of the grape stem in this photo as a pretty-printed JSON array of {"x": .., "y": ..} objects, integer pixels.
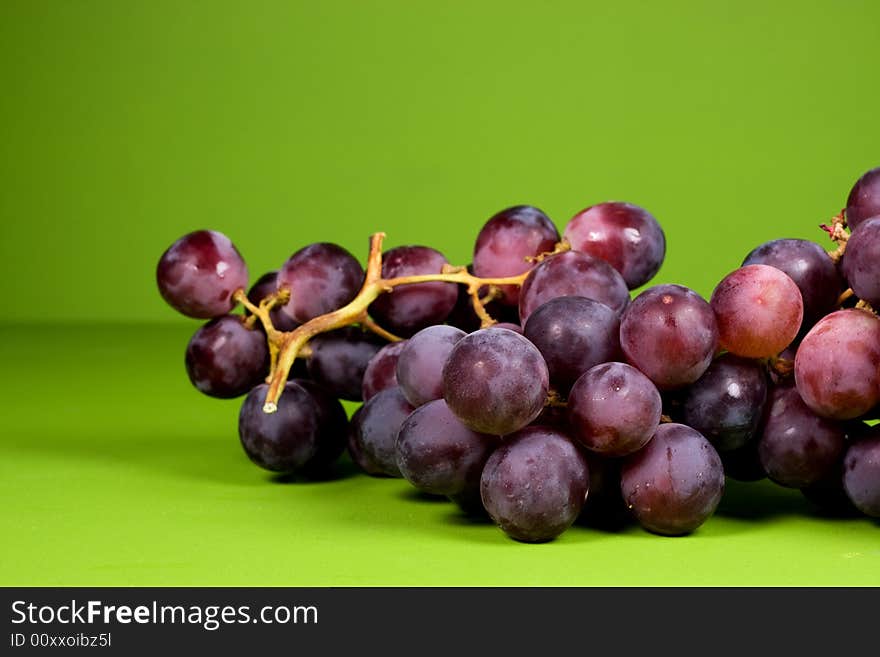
[
  {"x": 838, "y": 234},
  {"x": 285, "y": 346}
]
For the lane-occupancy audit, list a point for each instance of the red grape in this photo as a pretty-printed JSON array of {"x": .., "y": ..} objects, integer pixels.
[
  {"x": 837, "y": 367},
  {"x": 759, "y": 311},
  {"x": 623, "y": 235},
  {"x": 225, "y": 359},
  {"x": 199, "y": 273},
  {"x": 321, "y": 278},
  {"x": 506, "y": 241},
  {"x": 864, "y": 199}
]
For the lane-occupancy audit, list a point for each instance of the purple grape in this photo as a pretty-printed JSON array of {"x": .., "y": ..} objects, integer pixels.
[
  {"x": 381, "y": 371},
  {"x": 225, "y": 359},
  {"x": 199, "y": 273},
  {"x": 726, "y": 404},
  {"x": 321, "y": 278},
  {"x": 360, "y": 459},
  {"x": 861, "y": 473},
  {"x": 809, "y": 266},
  {"x": 572, "y": 273},
  {"x": 535, "y": 484},
  {"x": 420, "y": 366},
  {"x": 622, "y": 234},
  {"x": 333, "y": 425},
  {"x": 743, "y": 463},
  {"x": 573, "y": 334},
  {"x": 495, "y": 381},
  {"x": 669, "y": 333},
  {"x": 861, "y": 262},
  {"x": 439, "y": 455},
  {"x": 604, "y": 507},
  {"x": 507, "y": 240},
  {"x": 829, "y": 493},
  {"x": 797, "y": 447},
  {"x": 614, "y": 409},
  {"x": 864, "y": 199},
  {"x": 284, "y": 441},
  {"x": 268, "y": 284},
  {"x": 673, "y": 484},
  {"x": 339, "y": 359},
  {"x": 759, "y": 311},
  {"x": 837, "y": 367},
  {"x": 375, "y": 432},
  {"x": 411, "y": 307}
]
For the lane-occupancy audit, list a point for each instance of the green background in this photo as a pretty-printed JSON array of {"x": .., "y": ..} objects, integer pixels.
[{"x": 124, "y": 125}]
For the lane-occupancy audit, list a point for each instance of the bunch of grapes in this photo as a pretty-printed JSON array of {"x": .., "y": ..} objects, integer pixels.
[{"x": 531, "y": 387}]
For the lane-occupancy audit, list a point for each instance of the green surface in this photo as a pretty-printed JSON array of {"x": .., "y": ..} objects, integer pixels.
[
  {"x": 124, "y": 125},
  {"x": 114, "y": 471}
]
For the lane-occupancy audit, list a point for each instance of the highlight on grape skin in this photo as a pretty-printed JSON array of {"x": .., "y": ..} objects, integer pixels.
[
  {"x": 759, "y": 310},
  {"x": 199, "y": 273}
]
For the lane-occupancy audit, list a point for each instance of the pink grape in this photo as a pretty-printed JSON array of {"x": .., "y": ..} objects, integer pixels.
[
  {"x": 837, "y": 367},
  {"x": 759, "y": 310}
]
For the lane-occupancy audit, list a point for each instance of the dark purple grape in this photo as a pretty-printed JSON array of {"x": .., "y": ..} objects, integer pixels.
[
  {"x": 268, "y": 284},
  {"x": 743, "y": 463},
  {"x": 573, "y": 334},
  {"x": 669, "y": 333},
  {"x": 283, "y": 441},
  {"x": 439, "y": 455},
  {"x": 829, "y": 493},
  {"x": 572, "y": 273},
  {"x": 864, "y": 199},
  {"x": 535, "y": 484},
  {"x": 381, "y": 372},
  {"x": 614, "y": 409},
  {"x": 360, "y": 459},
  {"x": 333, "y": 425},
  {"x": 622, "y": 234},
  {"x": 861, "y": 262},
  {"x": 758, "y": 309},
  {"x": 674, "y": 483},
  {"x": 225, "y": 359},
  {"x": 420, "y": 366},
  {"x": 375, "y": 431},
  {"x": 507, "y": 240},
  {"x": 411, "y": 307},
  {"x": 726, "y": 403},
  {"x": 199, "y": 273},
  {"x": 797, "y": 447},
  {"x": 837, "y": 367},
  {"x": 861, "y": 473},
  {"x": 495, "y": 381},
  {"x": 321, "y": 278},
  {"x": 809, "y": 266},
  {"x": 339, "y": 359},
  {"x": 604, "y": 507}
]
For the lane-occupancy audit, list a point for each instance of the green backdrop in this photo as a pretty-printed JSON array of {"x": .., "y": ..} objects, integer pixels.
[{"x": 124, "y": 125}]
